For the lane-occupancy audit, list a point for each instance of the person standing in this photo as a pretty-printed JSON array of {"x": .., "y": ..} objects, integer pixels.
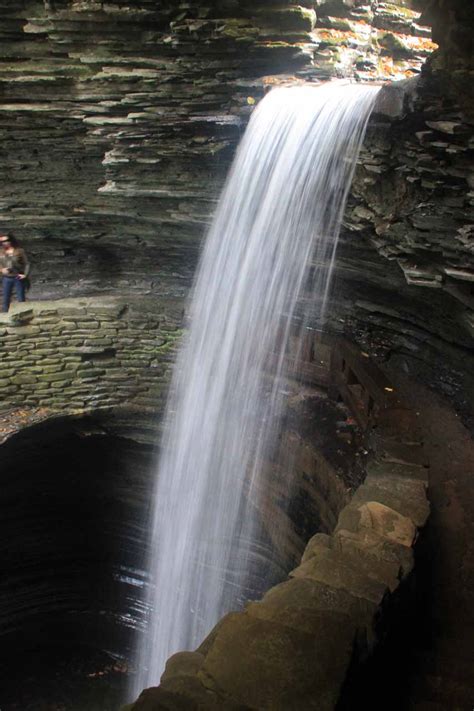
[{"x": 14, "y": 268}]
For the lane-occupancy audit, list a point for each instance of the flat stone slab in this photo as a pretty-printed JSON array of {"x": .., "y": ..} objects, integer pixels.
[
  {"x": 391, "y": 450},
  {"x": 371, "y": 543},
  {"x": 377, "y": 569},
  {"x": 337, "y": 569},
  {"x": 264, "y": 665},
  {"x": 373, "y": 517},
  {"x": 380, "y": 467},
  {"x": 407, "y": 497}
]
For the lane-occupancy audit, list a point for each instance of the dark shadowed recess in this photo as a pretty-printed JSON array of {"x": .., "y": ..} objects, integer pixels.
[{"x": 74, "y": 504}]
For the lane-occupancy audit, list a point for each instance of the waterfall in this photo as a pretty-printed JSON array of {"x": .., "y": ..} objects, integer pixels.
[{"x": 281, "y": 209}]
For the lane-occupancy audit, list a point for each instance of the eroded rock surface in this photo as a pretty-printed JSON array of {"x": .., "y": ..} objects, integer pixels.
[
  {"x": 118, "y": 121},
  {"x": 293, "y": 649}
]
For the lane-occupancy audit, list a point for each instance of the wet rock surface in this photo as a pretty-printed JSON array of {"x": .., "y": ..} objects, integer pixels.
[
  {"x": 404, "y": 272},
  {"x": 293, "y": 649}
]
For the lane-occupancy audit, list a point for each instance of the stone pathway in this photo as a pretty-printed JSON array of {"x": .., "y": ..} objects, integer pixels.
[{"x": 446, "y": 677}]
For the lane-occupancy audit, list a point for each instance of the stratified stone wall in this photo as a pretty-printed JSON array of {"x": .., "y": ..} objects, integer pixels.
[
  {"x": 118, "y": 121},
  {"x": 405, "y": 261},
  {"x": 87, "y": 354}
]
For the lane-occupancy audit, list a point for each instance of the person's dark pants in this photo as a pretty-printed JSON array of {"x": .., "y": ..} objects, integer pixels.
[{"x": 10, "y": 283}]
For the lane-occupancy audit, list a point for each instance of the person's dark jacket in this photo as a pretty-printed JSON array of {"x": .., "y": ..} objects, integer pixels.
[{"x": 16, "y": 263}]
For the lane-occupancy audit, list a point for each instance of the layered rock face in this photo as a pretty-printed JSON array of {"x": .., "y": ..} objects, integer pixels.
[
  {"x": 405, "y": 269},
  {"x": 119, "y": 120}
]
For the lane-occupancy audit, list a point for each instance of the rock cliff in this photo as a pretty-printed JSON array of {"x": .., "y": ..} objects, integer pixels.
[{"x": 119, "y": 120}]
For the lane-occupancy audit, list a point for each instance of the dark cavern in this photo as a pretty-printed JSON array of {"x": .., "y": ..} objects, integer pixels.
[{"x": 237, "y": 340}]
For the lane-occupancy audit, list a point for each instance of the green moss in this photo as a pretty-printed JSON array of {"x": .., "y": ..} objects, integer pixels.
[
  {"x": 289, "y": 18},
  {"x": 239, "y": 30},
  {"x": 398, "y": 11},
  {"x": 394, "y": 45}
]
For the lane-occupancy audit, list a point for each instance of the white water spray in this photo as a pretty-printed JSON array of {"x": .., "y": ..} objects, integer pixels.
[{"x": 280, "y": 210}]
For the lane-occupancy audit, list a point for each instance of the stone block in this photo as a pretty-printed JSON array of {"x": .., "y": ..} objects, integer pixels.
[
  {"x": 394, "y": 451},
  {"x": 306, "y": 619},
  {"x": 7, "y": 372},
  {"x": 71, "y": 312},
  {"x": 90, "y": 372},
  {"x": 51, "y": 377},
  {"x": 379, "y": 467},
  {"x": 313, "y": 596},
  {"x": 373, "y": 517},
  {"x": 98, "y": 342},
  {"x": 24, "y": 379},
  {"x": 107, "y": 311},
  {"x": 27, "y": 369},
  {"x": 263, "y": 664},
  {"x": 118, "y": 376},
  {"x": 24, "y": 331},
  {"x": 182, "y": 663},
  {"x": 51, "y": 368},
  {"x": 399, "y": 423},
  {"x": 406, "y": 496},
  {"x": 340, "y": 570},
  {"x": 88, "y": 325},
  {"x": 320, "y": 540},
  {"x": 373, "y": 544},
  {"x": 141, "y": 363},
  {"x": 48, "y": 313},
  {"x": 20, "y": 317},
  {"x": 60, "y": 384},
  {"x": 386, "y": 572}
]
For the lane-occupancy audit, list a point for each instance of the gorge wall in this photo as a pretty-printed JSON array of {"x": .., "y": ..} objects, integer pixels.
[{"x": 119, "y": 120}]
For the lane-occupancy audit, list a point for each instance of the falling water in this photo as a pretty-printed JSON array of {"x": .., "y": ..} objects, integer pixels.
[{"x": 280, "y": 210}]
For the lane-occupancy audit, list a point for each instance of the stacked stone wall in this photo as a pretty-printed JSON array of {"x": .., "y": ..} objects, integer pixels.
[{"x": 85, "y": 354}]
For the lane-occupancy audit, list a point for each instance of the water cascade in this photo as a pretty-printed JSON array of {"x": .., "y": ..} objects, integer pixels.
[{"x": 280, "y": 211}]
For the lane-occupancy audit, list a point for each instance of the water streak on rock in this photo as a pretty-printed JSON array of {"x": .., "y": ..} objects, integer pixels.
[{"x": 280, "y": 210}]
